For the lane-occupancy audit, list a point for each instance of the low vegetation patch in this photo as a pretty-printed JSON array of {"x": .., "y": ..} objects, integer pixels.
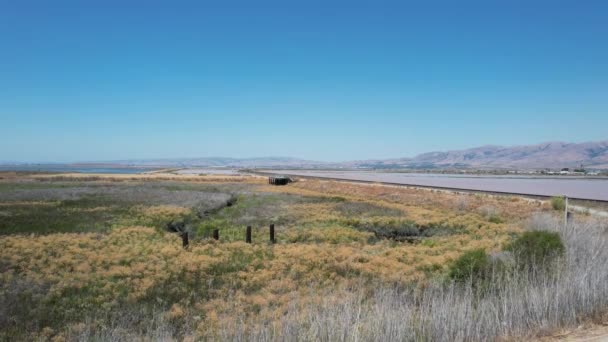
[
  {"x": 558, "y": 203},
  {"x": 408, "y": 230},
  {"x": 472, "y": 266},
  {"x": 531, "y": 251},
  {"x": 85, "y": 214},
  {"x": 536, "y": 248},
  {"x": 366, "y": 210}
]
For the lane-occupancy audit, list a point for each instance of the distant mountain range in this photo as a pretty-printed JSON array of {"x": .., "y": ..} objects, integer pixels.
[{"x": 551, "y": 155}]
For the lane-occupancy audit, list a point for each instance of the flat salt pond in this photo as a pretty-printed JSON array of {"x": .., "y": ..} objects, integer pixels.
[{"x": 576, "y": 187}]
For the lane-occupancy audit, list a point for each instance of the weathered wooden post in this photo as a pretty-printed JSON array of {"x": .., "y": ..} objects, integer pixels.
[
  {"x": 216, "y": 234},
  {"x": 185, "y": 241},
  {"x": 248, "y": 236},
  {"x": 272, "y": 240},
  {"x": 565, "y": 210}
]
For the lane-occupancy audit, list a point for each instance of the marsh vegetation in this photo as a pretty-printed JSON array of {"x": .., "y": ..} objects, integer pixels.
[{"x": 93, "y": 259}]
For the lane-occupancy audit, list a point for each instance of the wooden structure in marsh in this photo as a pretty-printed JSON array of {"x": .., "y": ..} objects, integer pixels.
[
  {"x": 216, "y": 236},
  {"x": 279, "y": 180}
]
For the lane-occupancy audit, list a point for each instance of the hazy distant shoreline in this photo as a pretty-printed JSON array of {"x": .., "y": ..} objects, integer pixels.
[{"x": 79, "y": 168}]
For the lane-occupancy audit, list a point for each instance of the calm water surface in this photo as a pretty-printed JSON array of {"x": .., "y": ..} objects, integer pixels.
[{"x": 577, "y": 187}]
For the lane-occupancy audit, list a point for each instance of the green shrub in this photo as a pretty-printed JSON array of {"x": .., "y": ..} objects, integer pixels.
[
  {"x": 400, "y": 230},
  {"x": 536, "y": 248},
  {"x": 558, "y": 202},
  {"x": 471, "y": 265},
  {"x": 495, "y": 219}
]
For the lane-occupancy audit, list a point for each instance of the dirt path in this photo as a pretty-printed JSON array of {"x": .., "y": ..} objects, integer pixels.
[
  {"x": 594, "y": 212},
  {"x": 595, "y": 333}
]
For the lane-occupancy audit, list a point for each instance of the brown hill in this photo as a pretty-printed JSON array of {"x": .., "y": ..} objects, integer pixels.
[{"x": 546, "y": 155}]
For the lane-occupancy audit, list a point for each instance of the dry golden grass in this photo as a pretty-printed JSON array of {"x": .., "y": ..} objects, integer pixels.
[
  {"x": 5, "y": 175},
  {"x": 28, "y": 203},
  {"x": 419, "y": 205},
  {"x": 415, "y": 199},
  {"x": 225, "y": 281},
  {"x": 162, "y": 210},
  {"x": 134, "y": 264},
  {"x": 145, "y": 177}
]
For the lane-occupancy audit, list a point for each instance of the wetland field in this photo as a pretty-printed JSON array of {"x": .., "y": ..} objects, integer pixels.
[{"x": 101, "y": 257}]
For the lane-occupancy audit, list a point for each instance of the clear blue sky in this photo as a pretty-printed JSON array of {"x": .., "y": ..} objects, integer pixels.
[{"x": 322, "y": 80}]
